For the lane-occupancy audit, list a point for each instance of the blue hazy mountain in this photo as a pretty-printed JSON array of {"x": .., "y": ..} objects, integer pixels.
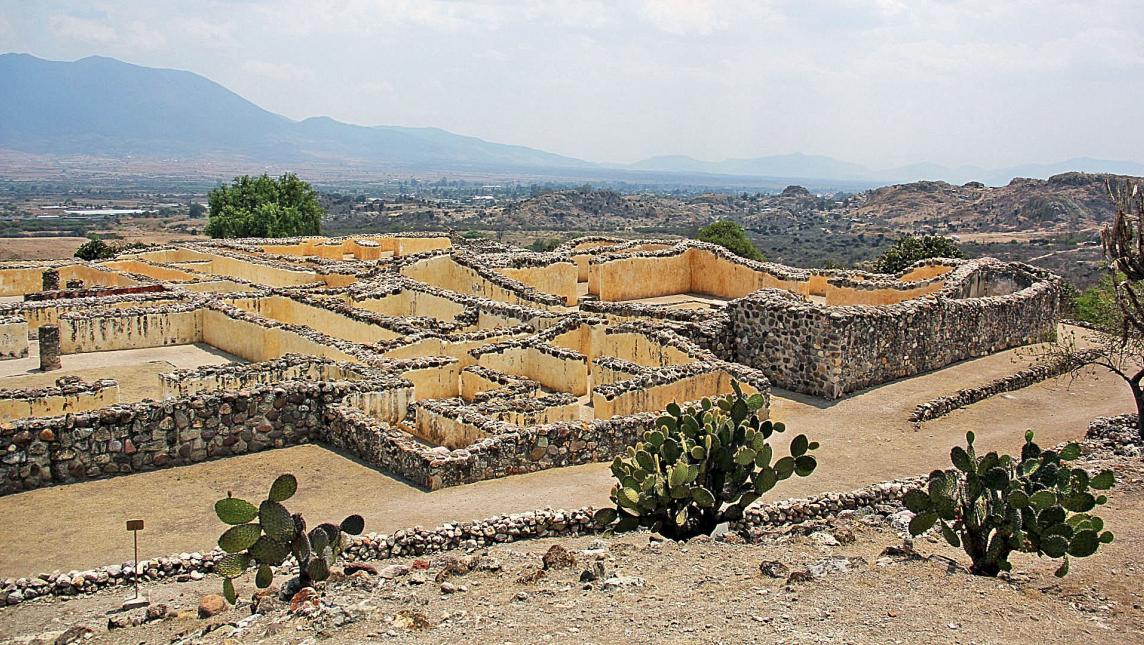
[{"x": 102, "y": 106}]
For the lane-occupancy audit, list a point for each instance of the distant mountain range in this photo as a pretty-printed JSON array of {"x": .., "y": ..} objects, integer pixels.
[
  {"x": 103, "y": 107},
  {"x": 800, "y": 165}
]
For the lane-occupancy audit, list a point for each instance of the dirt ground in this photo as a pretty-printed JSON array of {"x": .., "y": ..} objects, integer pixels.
[
  {"x": 701, "y": 591},
  {"x": 136, "y": 370},
  {"x": 39, "y": 248},
  {"x": 865, "y": 438}
]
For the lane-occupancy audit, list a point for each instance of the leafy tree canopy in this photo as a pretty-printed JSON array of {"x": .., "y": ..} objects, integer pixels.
[
  {"x": 95, "y": 250},
  {"x": 732, "y": 237},
  {"x": 264, "y": 207},
  {"x": 912, "y": 248}
]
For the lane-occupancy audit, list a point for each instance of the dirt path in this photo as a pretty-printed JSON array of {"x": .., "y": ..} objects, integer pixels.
[{"x": 865, "y": 438}]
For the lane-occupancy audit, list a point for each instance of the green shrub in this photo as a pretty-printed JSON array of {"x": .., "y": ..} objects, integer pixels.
[
  {"x": 276, "y": 536},
  {"x": 732, "y": 237},
  {"x": 701, "y": 466},
  {"x": 95, "y": 250},
  {"x": 912, "y": 248},
  {"x": 994, "y": 505}
]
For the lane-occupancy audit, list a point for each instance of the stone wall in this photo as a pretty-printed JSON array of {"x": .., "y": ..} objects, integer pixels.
[
  {"x": 144, "y": 436},
  {"x": 828, "y": 351}
]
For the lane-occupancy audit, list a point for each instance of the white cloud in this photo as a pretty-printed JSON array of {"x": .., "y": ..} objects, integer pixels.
[
  {"x": 65, "y": 26},
  {"x": 684, "y": 17}
]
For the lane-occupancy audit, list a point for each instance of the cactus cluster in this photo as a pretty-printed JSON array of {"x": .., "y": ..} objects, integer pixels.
[
  {"x": 994, "y": 505},
  {"x": 275, "y": 536},
  {"x": 701, "y": 466}
]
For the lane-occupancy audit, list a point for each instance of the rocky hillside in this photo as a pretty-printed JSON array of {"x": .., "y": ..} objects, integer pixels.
[{"x": 1068, "y": 202}]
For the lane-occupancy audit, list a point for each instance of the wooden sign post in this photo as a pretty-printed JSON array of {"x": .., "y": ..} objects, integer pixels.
[{"x": 138, "y": 601}]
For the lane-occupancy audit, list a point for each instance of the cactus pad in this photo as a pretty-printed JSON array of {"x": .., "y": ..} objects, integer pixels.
[
  {"x": 232, "y": 510},
  {"x": 239, "y": 538},
  {"x": 283, "y": 488},
  {"x": 276, "y": 521}
]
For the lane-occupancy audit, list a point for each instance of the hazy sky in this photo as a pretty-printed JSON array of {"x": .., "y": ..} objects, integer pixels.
[{"x": 878, "y": 82}]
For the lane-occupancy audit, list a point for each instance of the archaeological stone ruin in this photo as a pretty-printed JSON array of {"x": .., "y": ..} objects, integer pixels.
[{"x": 446, "y": 362}]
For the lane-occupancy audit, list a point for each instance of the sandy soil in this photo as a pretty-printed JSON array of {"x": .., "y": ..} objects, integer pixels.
[
  {"x": 137, "y": 370},
  {"x": 697, "y": 592},
  {"x": 865, "y": 438},
  {"x": 39, "y": 248}
]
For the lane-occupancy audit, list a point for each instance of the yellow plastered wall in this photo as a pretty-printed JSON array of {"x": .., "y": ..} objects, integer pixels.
[
  {"x": 816, "y": 286},
  {"x": 438, "y": 382},
  {"x": 839, "y": 296},
  {"x": 656, "y": 397},
  {"x": 553, "y": 414},
  {"x": 413, "y": 303},
  {"x": 414, "y": 245},
  {"x": 55, "y": 405},
  {"x": 134, "y": 331},
  {"x": 473, "y": 384},
  {"x": 604, "y": 375},
  {"x": 693, "y": 271},
  {"x": 632, "y": 278},
  {"x": 639, "y": 349},
  {"x": 711, "y": 274},
  {"x": 558, "y": 279},
  {"x": 444, "y": 431},
  {"x": 13, "y": 339},
  {"x": 328, "y": 322},
  {"x": 924, "y": 273},
  {"x": 437, "y": 347},
  {"x": 219, "y": 286},
  {"x": 186, "y": 384},
  {"x": 49, "y": 312},
  {"x": 253, "y": 342},
  {"x": 165, "y": 274},
  {"x": 338, "y": 280},
  {"x": 94, "y": 277},
  {"x": 441, "y": 271},
  {"x": 22, "y": 281},
  {"x": 554, "y": 373},
  {"x": 390, "y": 405}
]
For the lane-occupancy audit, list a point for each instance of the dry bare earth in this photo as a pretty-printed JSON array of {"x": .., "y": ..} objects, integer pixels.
[
  {"x": 702, "y": 591},
  {"x": 39, "y": 248}
]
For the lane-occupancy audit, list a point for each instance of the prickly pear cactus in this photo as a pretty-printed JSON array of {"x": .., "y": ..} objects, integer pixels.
[
  {"x": 994, "y": 505},
  {"x": 276, "y": 537},
  {"x": 701, "y": 466}
]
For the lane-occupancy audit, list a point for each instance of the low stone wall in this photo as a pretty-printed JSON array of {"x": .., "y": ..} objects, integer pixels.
[
  {"x": 70, "y": 394},
  {"x": 829, "y": 351},
  {"x": 417, "y": 541},
  {"x": 942, "y": 406},
  {"x": 134, "y": 438}
]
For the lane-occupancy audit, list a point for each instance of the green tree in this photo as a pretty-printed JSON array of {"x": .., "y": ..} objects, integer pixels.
[
  {"x": 198, "y": 211},
  {"x": 95, "y": 250},
  {"x": 732, "y": 237},
  {"x": 912, "y": 248},
  {"x": 264, "y": 207}
]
